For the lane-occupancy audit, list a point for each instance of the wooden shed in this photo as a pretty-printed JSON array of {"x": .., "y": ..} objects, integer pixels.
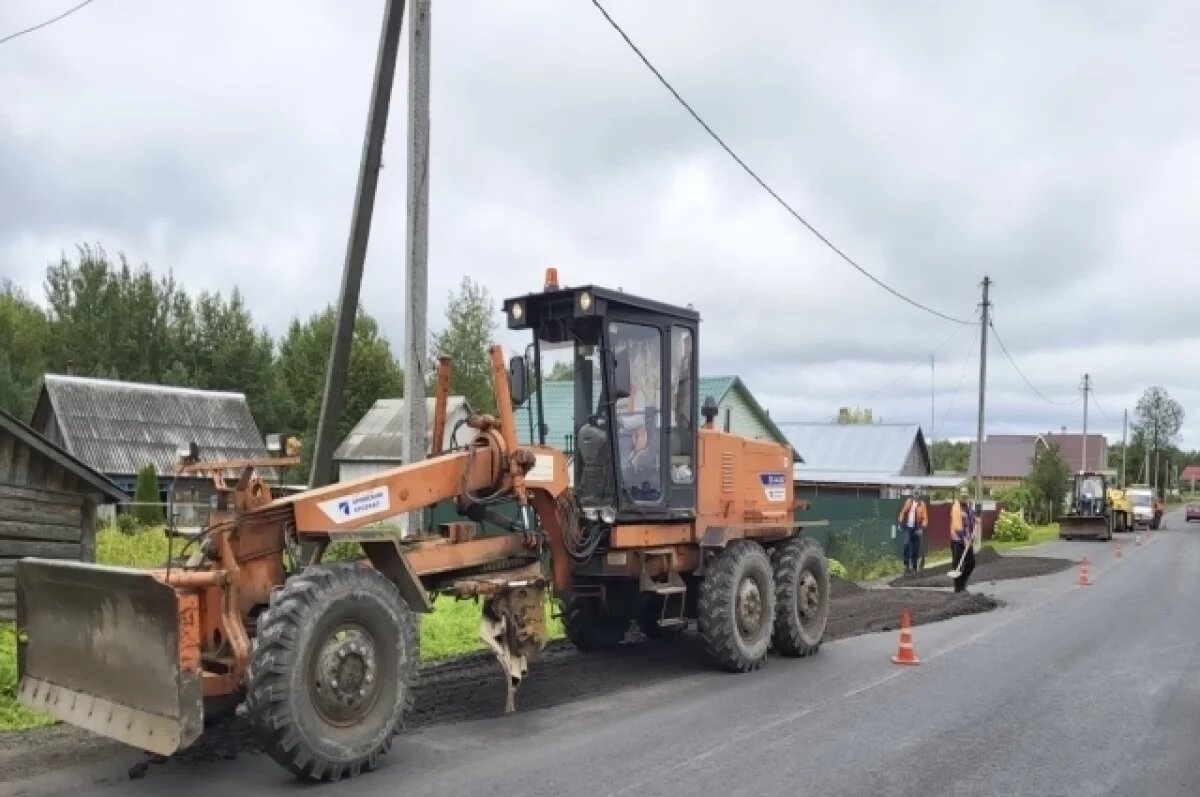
[{"x": 48, "y": 502}]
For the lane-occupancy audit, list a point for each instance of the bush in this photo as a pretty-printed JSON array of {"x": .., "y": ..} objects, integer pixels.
[
  {"x": 149, "y": 509},
  {"x": 1011, "y": 527},
  {"x": 837, "y": 570},
  {"x": 1017, "y": 498},
  {"x": 127, "y": 523}
]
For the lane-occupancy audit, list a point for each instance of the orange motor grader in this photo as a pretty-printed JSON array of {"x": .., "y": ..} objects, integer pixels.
[{"x": 652, "y": 518}]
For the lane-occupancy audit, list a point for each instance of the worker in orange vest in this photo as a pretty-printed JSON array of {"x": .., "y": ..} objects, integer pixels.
[
  {"x": 1158, "y": 512},
  {"x": 913, "y": 520}
]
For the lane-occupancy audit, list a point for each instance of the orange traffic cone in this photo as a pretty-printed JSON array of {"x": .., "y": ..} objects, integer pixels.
[
  {"x": 1085, "y": 579},
  {"x": 1117, "y": 552},
  {"x": 905, "y": 654}
]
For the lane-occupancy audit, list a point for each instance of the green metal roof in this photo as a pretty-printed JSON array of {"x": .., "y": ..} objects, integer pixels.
[{"x": 558, "y": 409}]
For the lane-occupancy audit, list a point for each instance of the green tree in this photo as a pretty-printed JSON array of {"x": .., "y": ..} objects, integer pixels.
[
  {"x": 1158, "y": 419},
  {"x": 846, "y": 415},
  {"x": 561, "y": 371},
  {"x": 298, "y": 378},
  {"x": 950, "y": 455},
  {"x": 149, "y": 508},
  {"x": 1047, "y": 483},
  {"x": 24, "y": 336},
  {"x": 465, "y": 340}
]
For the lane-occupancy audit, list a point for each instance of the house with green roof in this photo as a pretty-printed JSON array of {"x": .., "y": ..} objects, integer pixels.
[{"x": 738, "y": 412}]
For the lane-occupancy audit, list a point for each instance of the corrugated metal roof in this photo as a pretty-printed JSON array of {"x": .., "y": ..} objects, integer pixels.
[
  {"x": 1009, "y": 456},
  {"x": 1005, "y": 456},
  {"x": 70, "y": 463},
  {"x": 803, "y": 475},
  {"x": 120, "y": 427},
  {"x": 853, "y": 447},
  {"x": 558, "y": 407},
  {"x": 379, "y": 435}
]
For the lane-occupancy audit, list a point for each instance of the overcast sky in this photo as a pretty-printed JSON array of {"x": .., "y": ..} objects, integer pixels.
[{"x": 1054, "y": 147}]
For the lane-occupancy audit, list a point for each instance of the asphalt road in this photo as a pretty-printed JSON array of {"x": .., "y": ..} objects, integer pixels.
[{"x": 1066, "y": 690}]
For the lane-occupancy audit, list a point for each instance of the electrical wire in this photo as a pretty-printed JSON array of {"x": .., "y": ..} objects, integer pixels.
[
  {"x": 41, "y": 25},
  {"x": 918, "y": 363},
  {"x": 1103, "y": 412},
  {"x": 762, "y": 183},
  {"x": 1021, "y": 373},
  {"x": 969, "y": 358}
]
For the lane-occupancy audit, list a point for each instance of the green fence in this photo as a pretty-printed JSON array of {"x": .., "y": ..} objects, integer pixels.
[{"x": 857, "y": 527}]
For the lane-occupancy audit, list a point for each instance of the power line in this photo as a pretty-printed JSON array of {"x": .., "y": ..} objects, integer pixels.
[
  {"x": 41, "y": 25},
  {"x": 962, "y": 377},
  {"x": 1024, "y": 378},
  {"x": 762, "y": 183},
  {"x": 1103, "y": 411},
  {"x": 918, "y": 363}
]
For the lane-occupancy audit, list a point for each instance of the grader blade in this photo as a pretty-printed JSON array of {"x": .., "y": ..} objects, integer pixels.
[
  {"x": 100, "y": 649},
  {"x": 1091, "y": 526}
]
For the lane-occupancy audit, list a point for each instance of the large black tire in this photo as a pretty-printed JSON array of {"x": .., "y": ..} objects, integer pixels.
[
  {"x": 589, "y": 628},
  {"x": 801, "y": 596},
  {"x": 737, "y": 607},
  {"x": 332, "y": 672}
]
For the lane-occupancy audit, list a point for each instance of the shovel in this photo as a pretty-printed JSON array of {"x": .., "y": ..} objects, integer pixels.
[{"x": 957, "y": 571}]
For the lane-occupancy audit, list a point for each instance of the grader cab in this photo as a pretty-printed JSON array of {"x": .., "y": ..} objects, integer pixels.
[{"x": 659, "y": 520}]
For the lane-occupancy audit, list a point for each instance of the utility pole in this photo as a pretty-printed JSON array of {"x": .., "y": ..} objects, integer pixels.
[
  {"x": 932, "y": 412},
  {"x": 1124, "y": 445},
  {"x": 333, "y": 399},
  {"x": 1087, "y": 387},
  {"x": 983, "y": 337},
  {"x": 416, "y": 266}
]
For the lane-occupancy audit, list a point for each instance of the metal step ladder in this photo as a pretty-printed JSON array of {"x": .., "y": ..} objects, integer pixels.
[{"x": 673, "y": 611}]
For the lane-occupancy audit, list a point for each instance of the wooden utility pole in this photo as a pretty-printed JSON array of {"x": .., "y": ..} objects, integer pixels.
[
  {"x": 983, "y": 337},
  {"x": 932, "y": 412},
  {"x": 1087, "y": 388},
  {"x": 1124, "y": 445},
  {"x": 416, "y": 266},
  {"x": 333, "y": 399}
]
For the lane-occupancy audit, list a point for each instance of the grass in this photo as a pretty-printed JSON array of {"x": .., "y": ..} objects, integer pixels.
[
  {"x": 1039, "y": 534},
  {"x": 13, "y": 716},
  {"x": 452, "y": 629}
]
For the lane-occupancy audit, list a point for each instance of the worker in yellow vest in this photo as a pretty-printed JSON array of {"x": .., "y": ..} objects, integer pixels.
[
  {"x": 913, "y": 520},
  {"x": 962, "y": 539}
]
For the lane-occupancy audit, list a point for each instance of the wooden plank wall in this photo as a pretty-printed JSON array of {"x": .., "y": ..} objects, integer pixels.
[{"x": 44, "y": 511}]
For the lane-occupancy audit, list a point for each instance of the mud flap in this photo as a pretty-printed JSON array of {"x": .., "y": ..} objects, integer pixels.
[{"x": 100, "y": 649}]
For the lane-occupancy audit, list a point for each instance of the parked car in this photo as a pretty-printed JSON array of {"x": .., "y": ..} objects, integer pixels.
[{"x": 1193, "y": 512}]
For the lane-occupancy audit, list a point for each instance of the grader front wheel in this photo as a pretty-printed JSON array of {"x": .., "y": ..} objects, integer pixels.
[
  {"x": 332, "y": 671},
  {"x": 737, "y": 607}
]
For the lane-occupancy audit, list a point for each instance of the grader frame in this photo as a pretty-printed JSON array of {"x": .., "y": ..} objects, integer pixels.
[{"x": 325, "y": 655}]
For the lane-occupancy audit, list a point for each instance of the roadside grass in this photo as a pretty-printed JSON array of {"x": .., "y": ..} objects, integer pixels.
[
  {"x": 13, "y": 716},
  {"x": 452, "y": 629}
]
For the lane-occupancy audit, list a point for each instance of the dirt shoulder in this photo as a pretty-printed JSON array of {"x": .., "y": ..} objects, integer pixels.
[{"x": 989, "y": 566}]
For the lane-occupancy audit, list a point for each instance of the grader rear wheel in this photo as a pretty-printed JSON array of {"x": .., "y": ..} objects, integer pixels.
[
  {"x": 801, "y": 596},
  {"x": 737, "y": 607},
  {"x": 332, "y": 671}
]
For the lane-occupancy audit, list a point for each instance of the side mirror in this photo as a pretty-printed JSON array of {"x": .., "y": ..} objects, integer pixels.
[
  {"x": 622, "y": 384},
  {"x": 518, "y": 381}
]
